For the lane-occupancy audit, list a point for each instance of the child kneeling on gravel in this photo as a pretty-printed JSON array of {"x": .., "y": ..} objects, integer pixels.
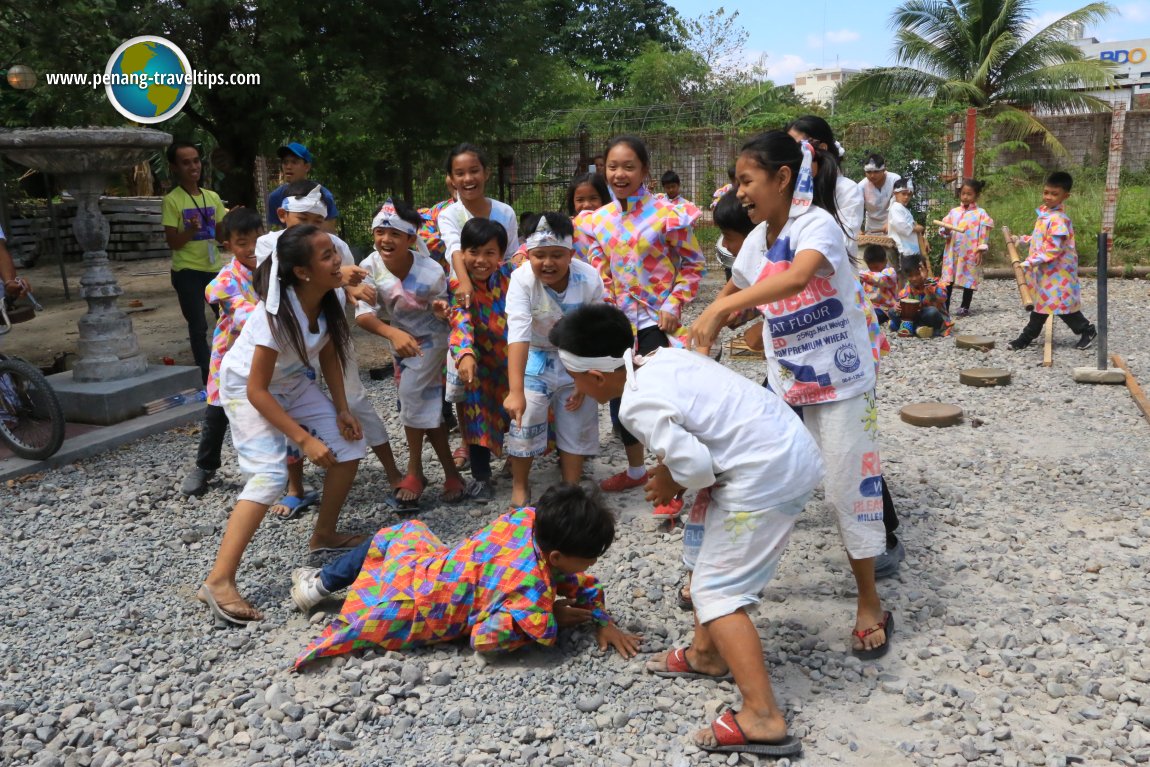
[
  {"x": 512, "y": 583},
  {"x": 710, "y": 428}
]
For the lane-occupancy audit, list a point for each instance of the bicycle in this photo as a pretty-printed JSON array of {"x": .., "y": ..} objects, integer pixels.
[{"x": 31, "y": 419}]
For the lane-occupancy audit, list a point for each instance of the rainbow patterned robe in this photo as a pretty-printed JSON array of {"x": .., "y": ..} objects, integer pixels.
[
  {"x": 233, "y": 291},
  {"x": 1053, "y": 263},
  {"x": 482, "y": 331},
  {"x": 960, "y": 259},
  {"x": 492, "y": 588}
]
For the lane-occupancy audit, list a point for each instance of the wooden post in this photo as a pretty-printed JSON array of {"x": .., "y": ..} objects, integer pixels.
[
  {"x": 1132, "y": 384},
  {"x": 1019, "y": 273},
  {"x": 1048, "y": 347}
]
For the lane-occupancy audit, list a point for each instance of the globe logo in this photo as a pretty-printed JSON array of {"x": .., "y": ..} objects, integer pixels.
[{"x": 148, "y": 79}]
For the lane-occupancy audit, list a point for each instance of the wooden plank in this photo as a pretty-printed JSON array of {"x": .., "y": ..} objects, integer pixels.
[
  {"x": 1132, "y": 384},
  {"x": 1048, "y": 347}
]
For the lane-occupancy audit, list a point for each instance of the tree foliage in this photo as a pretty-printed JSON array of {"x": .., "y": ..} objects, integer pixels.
[{"x": 986, "y": 54}]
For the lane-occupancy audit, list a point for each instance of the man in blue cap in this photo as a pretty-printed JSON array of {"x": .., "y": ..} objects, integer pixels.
[{"x": 295, "y": 164}]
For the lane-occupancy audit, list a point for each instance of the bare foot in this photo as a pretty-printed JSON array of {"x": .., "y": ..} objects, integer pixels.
[
  {"x": 229, "y": 601},
  {"x": 707, "y": 665},
  {"x": 336, "y": 541},
  {"x": 865, "y": 621},
  {"x": 764, "y": 729}
]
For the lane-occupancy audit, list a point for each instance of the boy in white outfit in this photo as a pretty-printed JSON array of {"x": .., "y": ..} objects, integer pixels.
[
  {"x": 540, "y": 293},
  {"x": 710, "y": 428}
]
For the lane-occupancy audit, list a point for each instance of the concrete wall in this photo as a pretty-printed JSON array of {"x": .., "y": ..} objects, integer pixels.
[{"x": 1087, "y": 138}]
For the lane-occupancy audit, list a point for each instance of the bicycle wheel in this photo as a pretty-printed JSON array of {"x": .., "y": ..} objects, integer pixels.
[{"x": 31, "y": 419}]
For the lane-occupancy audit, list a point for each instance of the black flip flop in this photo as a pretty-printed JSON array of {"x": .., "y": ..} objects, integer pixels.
[{"x": 875, "y": 653}]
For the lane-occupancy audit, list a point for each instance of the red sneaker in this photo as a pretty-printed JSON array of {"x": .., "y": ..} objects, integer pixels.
[
  {"x": 621, "y": 482},
  {"x": 671, "y": 509}
]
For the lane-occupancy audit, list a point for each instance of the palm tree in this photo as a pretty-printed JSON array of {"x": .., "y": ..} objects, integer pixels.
[{"x": 985, "y": 54}]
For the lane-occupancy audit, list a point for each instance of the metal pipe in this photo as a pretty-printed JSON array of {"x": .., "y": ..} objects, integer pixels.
[{"x": 1102, "y": 325}]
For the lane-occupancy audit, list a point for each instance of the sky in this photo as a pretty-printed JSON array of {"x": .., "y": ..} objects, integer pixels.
[{"x": 798, "y": 36}]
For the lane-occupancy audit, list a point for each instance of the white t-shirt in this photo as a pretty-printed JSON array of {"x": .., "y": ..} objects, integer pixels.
[
  {"x": 454, "y": 216},
  {"x": 820, "y": 349},
  {"x": 712, "y": 426},
  {"x": 900, "y": 227},
  {"x": 406, "y": 303},
  {"x": 290, "y": 371},
  {"x": 849, "y": 205},
  {"x": 266, "y": 243},
  {"x": 533, "y": 308},
  {"x": 877, "y": 201}
]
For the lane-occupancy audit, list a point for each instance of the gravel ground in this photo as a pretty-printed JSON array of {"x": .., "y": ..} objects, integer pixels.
[{"x": 1022, "y": 621}]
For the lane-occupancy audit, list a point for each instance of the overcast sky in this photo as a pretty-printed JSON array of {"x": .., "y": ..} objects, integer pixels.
[{"x": 799, "y": 36}]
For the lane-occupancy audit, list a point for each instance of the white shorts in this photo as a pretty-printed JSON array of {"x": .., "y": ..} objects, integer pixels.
[
  {"x": 455, "y": 390},
  {"x": 738, "y": 556},
  {"x": 421, "y": 388},
  {"x": 547, "y": 386},
  {"x": 374, "y": 430},
  {"x": 262, "y": 449},
  {"x": 847, "y": 435}
]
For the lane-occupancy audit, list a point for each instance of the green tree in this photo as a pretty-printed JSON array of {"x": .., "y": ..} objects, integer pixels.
[
  {"x": 659, "y": 76},
  {"x": 986, "y": 54}
]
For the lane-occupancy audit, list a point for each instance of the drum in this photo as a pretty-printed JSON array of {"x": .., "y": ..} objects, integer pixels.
[
  {"x": 876, "y": 239},
  {"x": 909, "y": 309}
]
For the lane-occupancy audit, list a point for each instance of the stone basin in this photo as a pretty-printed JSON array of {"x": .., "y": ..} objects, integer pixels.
[{"x": 64, "y": 151}]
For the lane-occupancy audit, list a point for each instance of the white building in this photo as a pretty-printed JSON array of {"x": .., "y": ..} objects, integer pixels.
[
  {"x": 1131, "y": 59},
  {"x": 818, "y": 86}
]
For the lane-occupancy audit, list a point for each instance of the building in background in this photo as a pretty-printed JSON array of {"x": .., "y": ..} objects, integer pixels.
[
  {"x": 1131, "y": 59},
  {"x": 818, "y": 86}
]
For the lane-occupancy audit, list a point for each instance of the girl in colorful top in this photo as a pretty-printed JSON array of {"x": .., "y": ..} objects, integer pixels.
[
  {"x": 271, "y": 393},
  {"x": 539, "y": 295},
  {"x": 794, "y": 267},
  {"x": 651, "y": 263},
  {"x": 1052, "y": 264},
  {"x": 407, "y": 283},
  {"x": 511, "y": 584},
  {"x": 478, "y": 347},
  {"x": 965, "y": 244}
]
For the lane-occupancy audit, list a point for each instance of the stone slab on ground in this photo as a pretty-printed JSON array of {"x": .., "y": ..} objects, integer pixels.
[{"x": 109, "y": 402}]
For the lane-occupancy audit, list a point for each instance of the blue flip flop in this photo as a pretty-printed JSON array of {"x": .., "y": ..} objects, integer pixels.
[{"x": 296, "y": 504}]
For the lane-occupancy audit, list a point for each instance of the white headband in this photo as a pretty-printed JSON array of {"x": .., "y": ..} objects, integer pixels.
[
  {"x": 907, "y": 187},
  {"x": 388, "y": 218},
  {"x": 805, "y": 183},
  {"x": 545, "y": 237},
  {"x": 870, "y": 167},
  {"x": 272, "y": 304},
  {"x": 839, "y": 149},
  {"x": 312, "y": 202}
]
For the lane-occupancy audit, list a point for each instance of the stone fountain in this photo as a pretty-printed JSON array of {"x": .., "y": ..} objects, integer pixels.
[{"x": 111, "y": 378}]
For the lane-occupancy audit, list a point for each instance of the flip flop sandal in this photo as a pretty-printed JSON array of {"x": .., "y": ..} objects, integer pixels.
[
  {"x": 411, "y": 484},
  {"x": 340, "y": 548},
  {"x": 730, "y": 738},
  {"x": 295, "y": 504},
  {"x": 679, "y": 668},
  {"x": 462, "y": 458},
  {"x": 685, "y": 602},
  {"x": 454, "y": 486},
  {"x": 887, "y": 626},
  {"x": 222, "y": 617}
]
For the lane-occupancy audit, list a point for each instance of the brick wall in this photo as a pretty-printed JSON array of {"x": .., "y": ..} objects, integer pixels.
[{"x": 1086, "y": 138}]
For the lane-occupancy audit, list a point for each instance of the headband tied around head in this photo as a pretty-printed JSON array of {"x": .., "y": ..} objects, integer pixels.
[
  {"x": 804, "y": 194},
  {"x": 545, "y": 237},
  {"x": 312, "y": 202},
  {"x": 389, "y": 218},
  {"x": 872, "y": 166},
  {"x": 272, "y": 304}
]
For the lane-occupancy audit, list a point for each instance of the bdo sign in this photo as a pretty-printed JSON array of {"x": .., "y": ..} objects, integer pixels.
[{"x": 1132, "y": 56}]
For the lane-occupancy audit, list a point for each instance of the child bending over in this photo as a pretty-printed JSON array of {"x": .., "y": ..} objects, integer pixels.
[
  {"x": 710, "y": 428},
  {"x": 512, "y": 583},
  {"x": 1052, "y": 267},
  {"x": 880, "y": 282}
]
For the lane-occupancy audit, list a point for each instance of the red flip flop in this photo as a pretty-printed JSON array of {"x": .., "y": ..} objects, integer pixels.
[
  {"x": 731, "y": 739},
  {"x": 678, "y": 667}
]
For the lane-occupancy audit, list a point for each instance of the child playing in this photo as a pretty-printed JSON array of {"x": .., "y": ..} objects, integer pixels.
[
  {"x": 467, "y": 172},
  {"x": 429, "y": 228},
  {"x": 268, "y": 387},
  {"x": 508, "y": 585},
  {"x": 877, "y": 189},
  {"x": 303, "y": 203},
  {"x": 734, "y": 226},
  {"x": 880, "y": 282},
  {"x": 962, "y": 258},
  {"x": 478, "y": 346},
  {"x": 407, "y": 282},
  {"x": 1053, "y": 267},
  {"x": 539, "y": 296},
  {"x": 901, "y": 225},
  {"x": 672, "y": 193},
  {"x": 651, "y": 263},
  {"x": 794, "y": 268},
  {"x": 587, "y": 192},
  {"x": 234, "y": 293},
  {"x": 933, "y": 319},
  {"x": 710, "y": 428}
]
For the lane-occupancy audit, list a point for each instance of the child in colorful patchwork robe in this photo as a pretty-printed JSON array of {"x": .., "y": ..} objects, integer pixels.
[
  {"x": 965, "y": 248},
  {"x": 512, "y": 583},
  {"x": 1052, "y": 268},
  {"x": 933, "y": 319}
]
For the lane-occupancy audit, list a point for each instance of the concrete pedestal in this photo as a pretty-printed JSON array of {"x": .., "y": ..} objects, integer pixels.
[{"x": 108, "y": 402}]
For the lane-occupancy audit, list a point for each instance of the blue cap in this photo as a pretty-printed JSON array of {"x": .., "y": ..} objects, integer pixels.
[{"x": 296, "y": 148}]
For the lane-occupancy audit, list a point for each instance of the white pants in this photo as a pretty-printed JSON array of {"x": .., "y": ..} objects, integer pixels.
[
  {"x": 847, "y": 435},
  {"x": 374, "y": 430},
  {"x": 263, "y": 450},
  {"x": 739, "y": 554},
  {"x": 421, "y": 388},
  {"x": 547, "y": 386}
]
